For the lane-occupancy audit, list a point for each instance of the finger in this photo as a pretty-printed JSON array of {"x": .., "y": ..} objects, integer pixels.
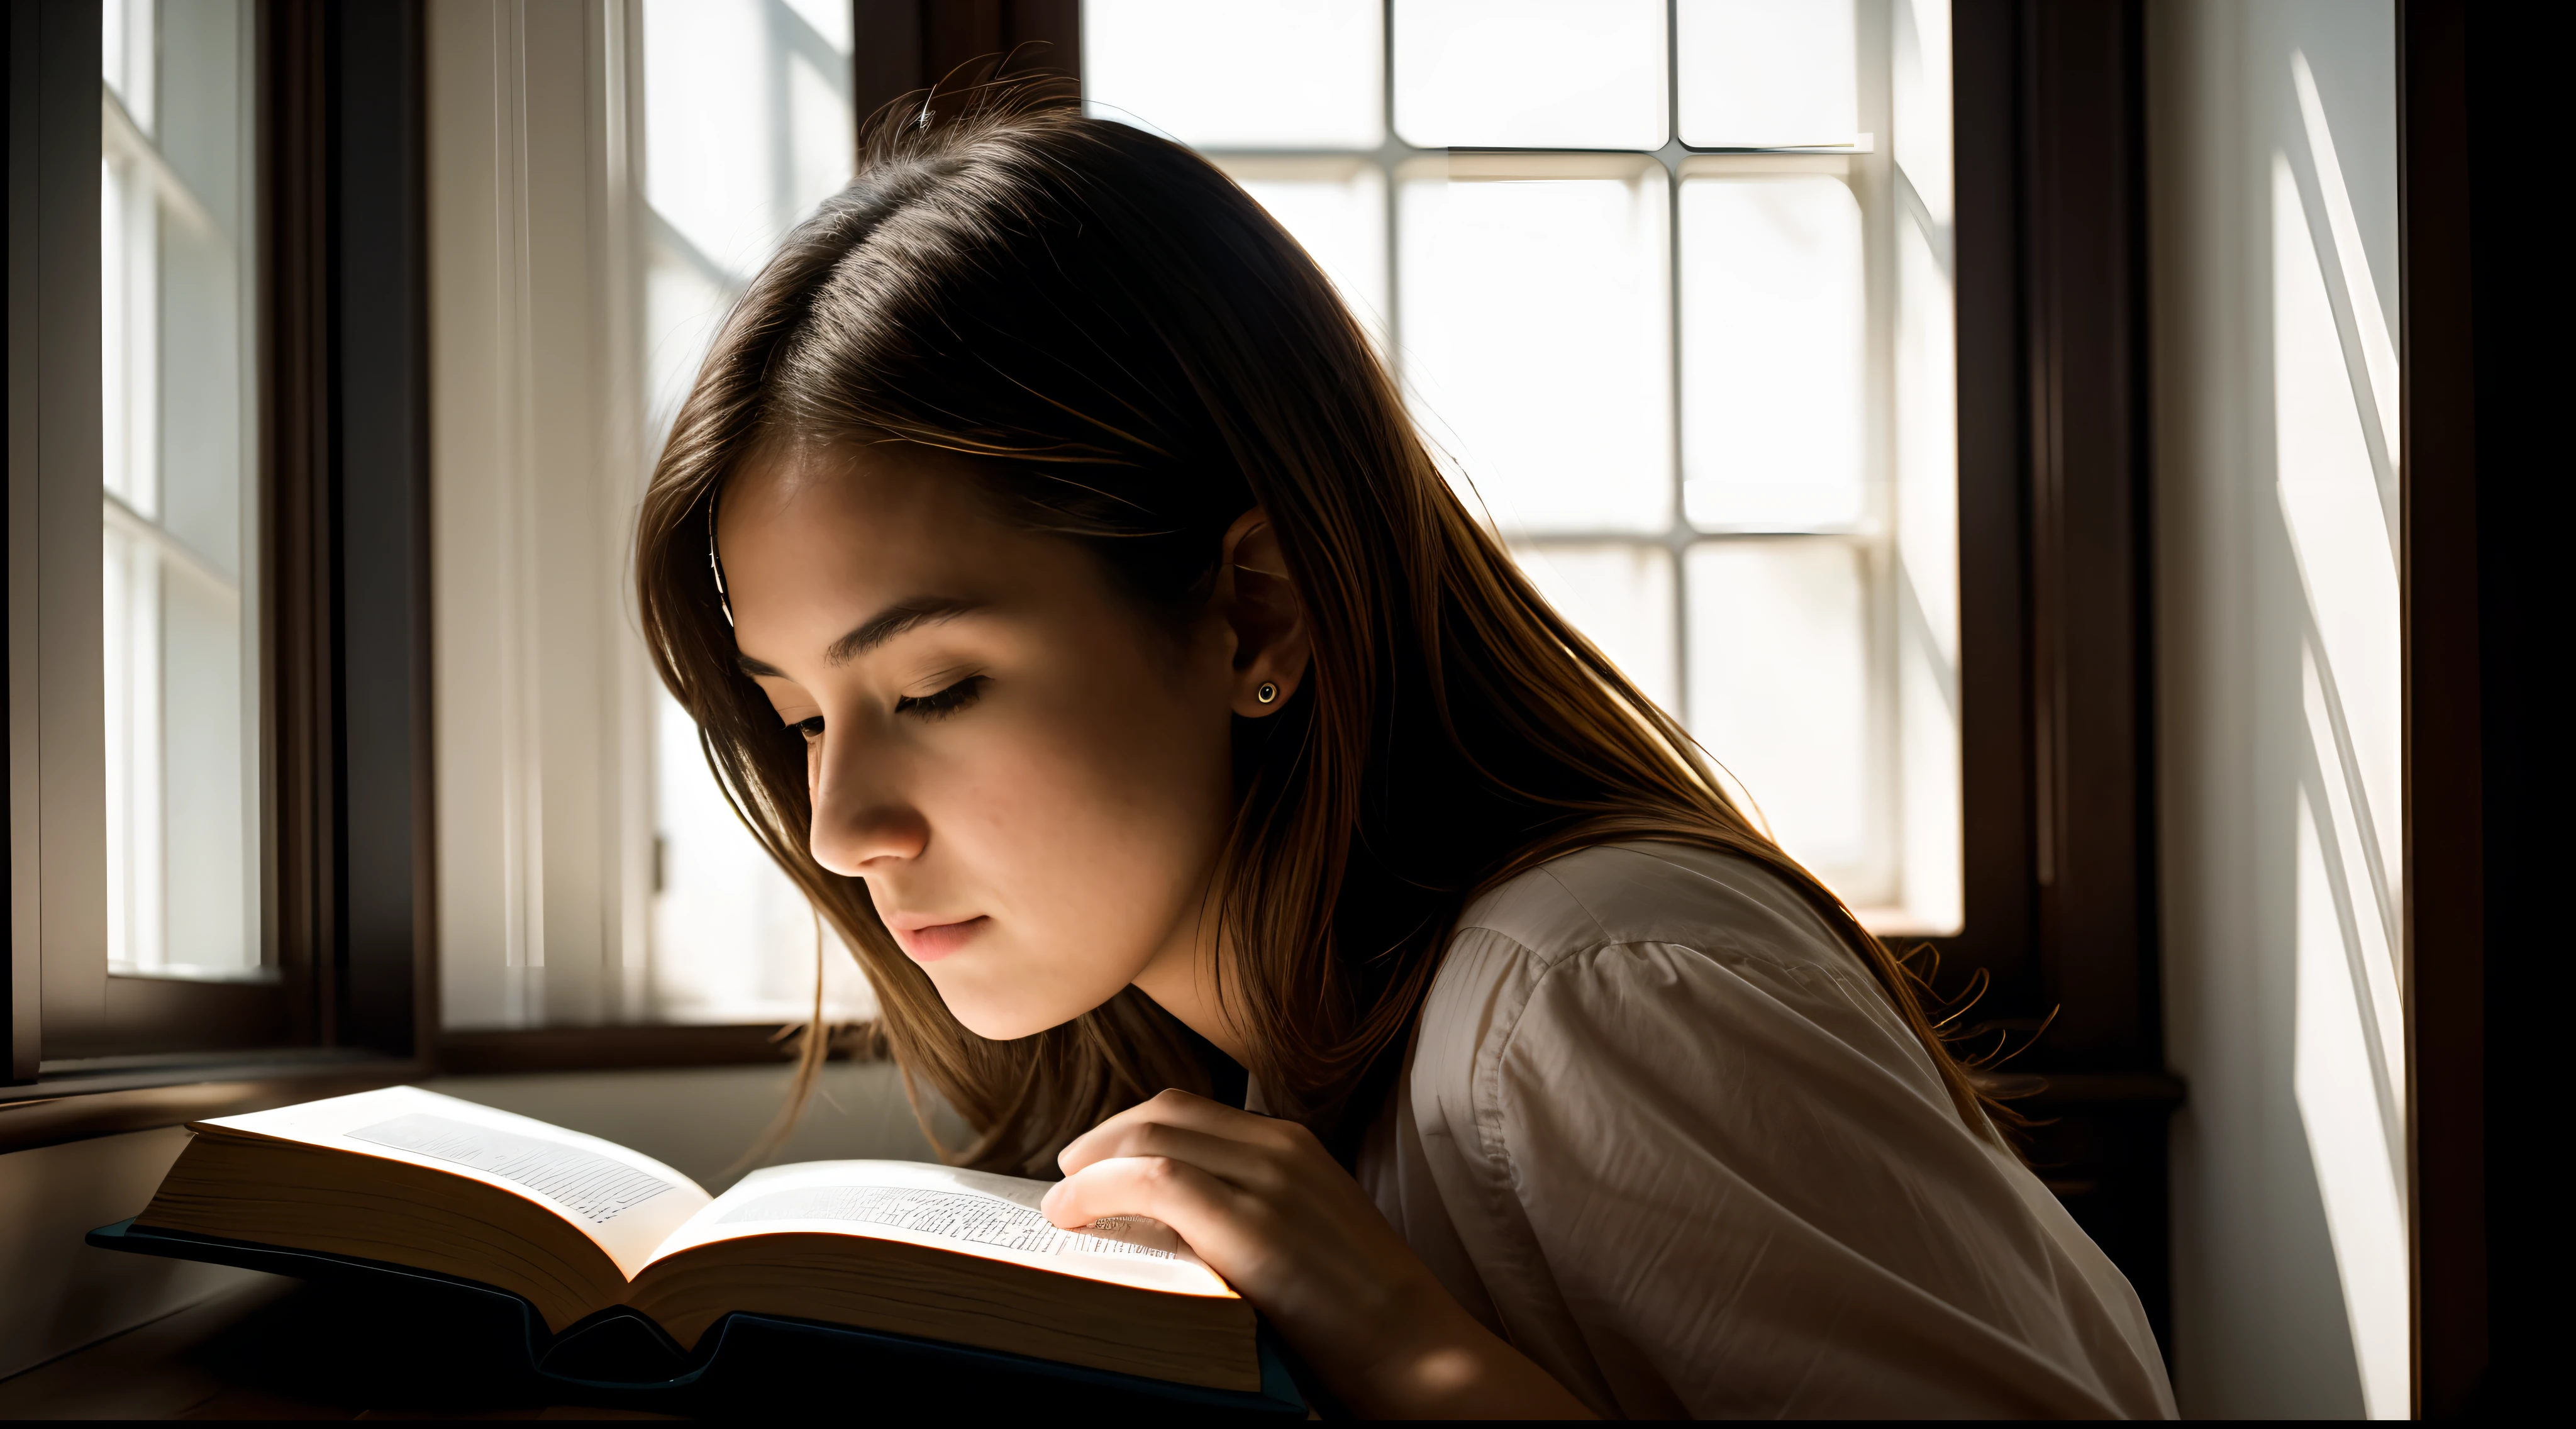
[
  {"x": 1256, "y": 1166},
  {"x": 1179, "y": 1108},
  {"x": 1179, "y": 1195}
]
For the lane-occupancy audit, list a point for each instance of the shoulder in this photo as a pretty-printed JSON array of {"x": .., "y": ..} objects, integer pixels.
[
  {"x": 1672, "y": 894},
  {"x": 1623, "y": 964}
]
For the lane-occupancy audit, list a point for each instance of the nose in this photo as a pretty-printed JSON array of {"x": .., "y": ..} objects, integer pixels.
[{"x": 859, "y": 818}]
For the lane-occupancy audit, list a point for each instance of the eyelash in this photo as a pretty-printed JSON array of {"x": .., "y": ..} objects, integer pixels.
[
  {"x": 932, "y": 706},
  {"x": 944, "y": 703}
]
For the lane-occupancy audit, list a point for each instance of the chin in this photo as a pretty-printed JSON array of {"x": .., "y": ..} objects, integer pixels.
[
  {"x": 1008, "y": 1019},
  {"x": 1004, "y": 991}
]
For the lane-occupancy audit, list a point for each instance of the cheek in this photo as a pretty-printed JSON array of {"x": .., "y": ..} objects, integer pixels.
[
  {"x": 1087, "y": 833},
  {"x": 1118, "y": 807}
]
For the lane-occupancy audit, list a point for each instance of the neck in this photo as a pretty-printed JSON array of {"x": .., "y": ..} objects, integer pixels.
[{"x": 1182, "y": 980}]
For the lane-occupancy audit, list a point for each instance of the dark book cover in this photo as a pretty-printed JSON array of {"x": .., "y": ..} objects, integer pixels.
[{"x": 455, "y": 1341}]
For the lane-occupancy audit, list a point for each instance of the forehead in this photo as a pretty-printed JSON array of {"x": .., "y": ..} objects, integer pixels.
[{"x": 866, "y": 514}]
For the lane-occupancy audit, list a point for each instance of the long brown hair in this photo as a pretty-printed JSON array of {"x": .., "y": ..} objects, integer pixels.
[{"x": 1136, "y": 354}]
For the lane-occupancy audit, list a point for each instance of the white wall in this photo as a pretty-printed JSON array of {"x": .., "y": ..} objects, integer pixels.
[{"x": 2275, "y": 303}]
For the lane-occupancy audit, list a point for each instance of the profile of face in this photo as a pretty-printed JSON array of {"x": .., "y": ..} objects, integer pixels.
[{"x": 1031, "y": 772}]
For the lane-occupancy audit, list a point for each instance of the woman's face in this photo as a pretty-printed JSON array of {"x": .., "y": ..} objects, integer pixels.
[{"x": 1033, "y": 778}]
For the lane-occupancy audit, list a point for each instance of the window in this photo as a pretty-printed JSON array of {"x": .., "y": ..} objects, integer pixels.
[
  {"x": 607, "y": 181},
  {"x": 732, "y": 939},
  {"x": 1669, "y": 288},
  {"x": 214, "y": 613},
  {"x": 179, "y": 509}
]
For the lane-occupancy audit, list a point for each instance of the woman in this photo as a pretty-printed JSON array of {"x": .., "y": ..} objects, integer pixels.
[{"x": 1228, "y": 827}]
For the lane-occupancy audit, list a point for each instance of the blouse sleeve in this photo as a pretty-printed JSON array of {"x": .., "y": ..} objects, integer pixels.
[{"x": 1720, "y": 1177}]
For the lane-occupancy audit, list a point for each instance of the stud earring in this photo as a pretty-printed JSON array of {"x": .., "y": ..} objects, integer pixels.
[{"x": 1266, "y": 693}]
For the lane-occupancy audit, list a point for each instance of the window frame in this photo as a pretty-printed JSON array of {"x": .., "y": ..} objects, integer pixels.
[{"x": 343, "y": 609}]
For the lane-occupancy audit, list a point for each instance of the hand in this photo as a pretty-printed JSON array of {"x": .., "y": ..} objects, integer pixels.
[{"x": 1266, "y": 1208}]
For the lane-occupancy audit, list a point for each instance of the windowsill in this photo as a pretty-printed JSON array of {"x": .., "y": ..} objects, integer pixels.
[
  {"x": 604, "y": 1049},
  {"x": 104, "y": 1096}
]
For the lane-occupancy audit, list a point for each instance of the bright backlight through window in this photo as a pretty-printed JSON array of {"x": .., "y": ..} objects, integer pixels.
[
  {"x": 1669, "y": 288},
  {"x": 179, "y": 514}
]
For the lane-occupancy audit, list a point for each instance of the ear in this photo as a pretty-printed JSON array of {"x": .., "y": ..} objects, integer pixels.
[{"x": 1262, "y": 610}]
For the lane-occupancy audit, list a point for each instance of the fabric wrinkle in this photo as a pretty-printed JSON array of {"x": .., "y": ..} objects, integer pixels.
[{"x": 1653, "y": 1126}]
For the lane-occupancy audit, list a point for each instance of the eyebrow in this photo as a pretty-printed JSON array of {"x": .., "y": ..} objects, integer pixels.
[{"x": 899, "y": 618}]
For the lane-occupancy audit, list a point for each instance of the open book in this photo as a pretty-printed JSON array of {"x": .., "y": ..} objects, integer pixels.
[{"x": 577, "y": 1225}]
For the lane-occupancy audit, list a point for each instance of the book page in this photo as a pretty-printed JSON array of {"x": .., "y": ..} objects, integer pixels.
[
  {"x": 973, "y": 1212},
  {"x": 625, "y": 1202}
]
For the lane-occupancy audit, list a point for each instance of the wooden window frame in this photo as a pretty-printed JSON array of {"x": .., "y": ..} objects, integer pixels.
[
  {"x": 2056, "y": 648},
  {"x": 343, "y": 486},
  {"x": 2484, "y": 514}
]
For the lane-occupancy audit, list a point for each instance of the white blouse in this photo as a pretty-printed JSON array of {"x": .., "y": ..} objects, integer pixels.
[{"x": 1660, "y": 1130}]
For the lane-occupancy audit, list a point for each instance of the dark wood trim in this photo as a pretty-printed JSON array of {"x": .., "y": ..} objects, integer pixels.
[
  {"x": 57, "y": 750},
  {"x": 1994, "y": 674},
  {"x": 348, "y": 472},
  {"x": 2445, "y": 929},
  {"x": 2084, "y": 307},
  {"x": 904, "y": 45},
  {"x": 2160, "y": 1091},
  {"x": 588, "y": 1049},
  {"x": 2055, "y": 646},
  {"x": 385, "y": 844},
  {"x": 2488, "y": 1015},
  {"x": 302, "y": 883},
  {"x": 22, "y": 982},
  {"x": 81, "y": 1105}
]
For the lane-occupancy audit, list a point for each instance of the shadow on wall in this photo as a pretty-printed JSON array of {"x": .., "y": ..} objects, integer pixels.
[
  {"x": 57, "y": 1294},
  {"x": 2274, "y": 140}
]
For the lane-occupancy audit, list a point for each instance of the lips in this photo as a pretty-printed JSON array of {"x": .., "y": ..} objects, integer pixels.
[{"x": 929, "y": 942}]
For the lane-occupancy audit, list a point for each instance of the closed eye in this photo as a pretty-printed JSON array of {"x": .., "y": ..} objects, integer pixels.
[{"x": 946, "y": 702}]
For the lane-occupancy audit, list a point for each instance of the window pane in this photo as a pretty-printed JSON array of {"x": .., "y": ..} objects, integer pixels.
[
  {"x": 1620, "y": 595},
  {"x": 1246, "y": 74},
  {"x": 1927, "y": 439},
  {"x": 725, "y": 80},
  {"x": 828, "y": 19},
  {"x": 1337, "y": 209},
  {"x": 733, "y": 938},
  {"x": 1780, "y": 689},
  {"x": 178, "y": 520},
  {"x": 1536, "y": 338},
  {"x": 1927, "y": 575},
  {"x": 1531, "y": 74},
  {"x": 1766, "y": 74},
  {"x": 1772, "y": 352},
  {"x": 748, "y": 125},
  {"x": 1919, "y": 78}
]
